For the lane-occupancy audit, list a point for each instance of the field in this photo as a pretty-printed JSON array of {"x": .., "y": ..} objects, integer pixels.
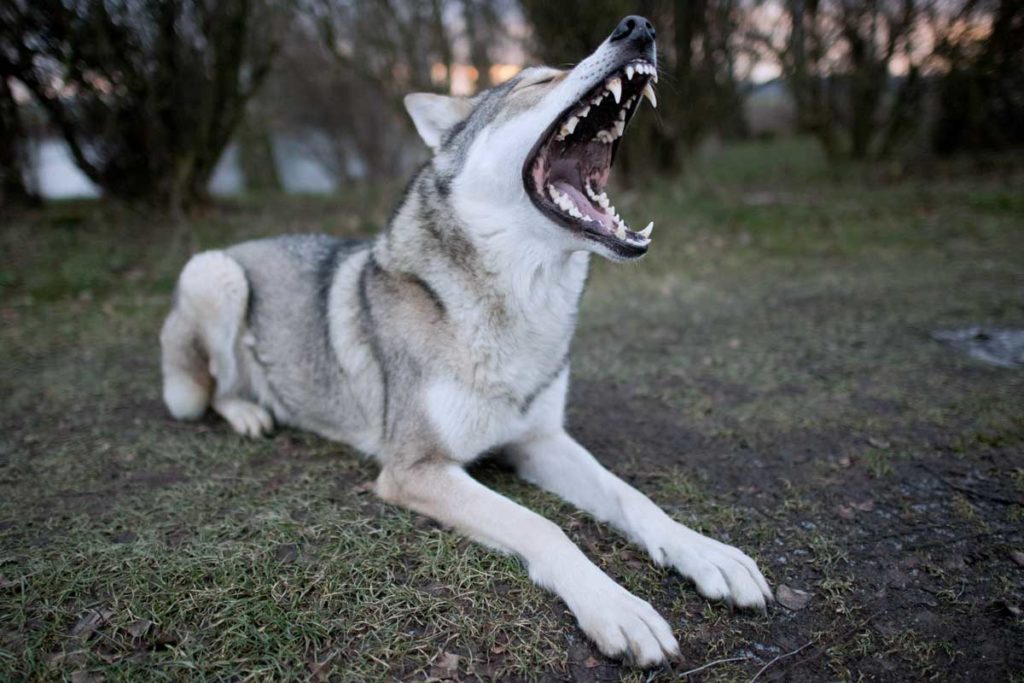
[{"x": 768, "y": 375}]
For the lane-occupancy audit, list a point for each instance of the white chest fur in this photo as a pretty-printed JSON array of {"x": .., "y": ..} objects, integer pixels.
[{"x": 512, "y": 375}]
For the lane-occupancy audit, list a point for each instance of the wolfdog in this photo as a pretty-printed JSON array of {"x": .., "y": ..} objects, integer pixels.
[{"x": 446, "y": 337}]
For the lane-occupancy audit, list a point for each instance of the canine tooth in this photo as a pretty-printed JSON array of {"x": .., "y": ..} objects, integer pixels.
[
  {"x": 569, "y": 126},
  {"x": 629, "y": 71},
  {"x": 646, "y": 232},
  {"x": 620, "y": 127},
  {"x": 649, "y": 94},
  {"x": 614, "y": 86}
]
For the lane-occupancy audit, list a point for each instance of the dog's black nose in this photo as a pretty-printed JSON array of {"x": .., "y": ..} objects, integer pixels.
[{"x": 635, "y": 29}]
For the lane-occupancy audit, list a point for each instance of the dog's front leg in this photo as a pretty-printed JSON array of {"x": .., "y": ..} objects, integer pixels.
[
  {"x": 561, "y": 465},
  {"x": 620, "y": 623}
]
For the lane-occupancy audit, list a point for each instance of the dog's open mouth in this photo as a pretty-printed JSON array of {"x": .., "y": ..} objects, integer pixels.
[{"x": 567, "y": 171}]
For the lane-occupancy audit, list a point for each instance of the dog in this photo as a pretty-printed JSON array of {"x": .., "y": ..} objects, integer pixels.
[{"x": 447, "y": 336}]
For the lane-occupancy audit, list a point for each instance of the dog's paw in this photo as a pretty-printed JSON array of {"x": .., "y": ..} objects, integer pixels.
[
  {"x": 720, "y": 571},
  {"x": 625, "y": 627},
  {"x": 248, "y": 419}
]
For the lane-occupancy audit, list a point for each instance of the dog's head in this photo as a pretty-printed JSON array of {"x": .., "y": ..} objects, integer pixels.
[{"x": 534, "y": 153}]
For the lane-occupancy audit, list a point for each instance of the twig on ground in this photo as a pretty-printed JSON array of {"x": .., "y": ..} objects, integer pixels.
[
  {"x": 783, "y": 656},
  {"x": 846, "y": 634},
  {"x": 716, "y": 663}
]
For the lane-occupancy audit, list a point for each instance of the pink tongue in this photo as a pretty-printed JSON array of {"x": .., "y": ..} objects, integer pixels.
[{"x": 583, "y": 204}]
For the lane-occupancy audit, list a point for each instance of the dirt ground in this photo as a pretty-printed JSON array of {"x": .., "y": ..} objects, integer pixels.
[{"x": 768, "y": 375}]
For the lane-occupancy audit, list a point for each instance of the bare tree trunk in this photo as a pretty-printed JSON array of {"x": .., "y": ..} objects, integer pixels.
[
  {"x": 14, "y": 163},
  {"x": 480, "y": 23},
  {"x": 444, "y": 45},
  {"x": 689, "y": 23},
  {"x": 256, "y": 156}
]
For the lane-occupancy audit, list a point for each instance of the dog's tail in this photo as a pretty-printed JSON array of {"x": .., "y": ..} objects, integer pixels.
[
  {"x": 198, "y": 338},
  {"x": 188, "y": 384}
]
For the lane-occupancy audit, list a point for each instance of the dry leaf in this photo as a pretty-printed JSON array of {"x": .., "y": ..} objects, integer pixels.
[
  {"x": 449, "y": 663},
  {"x": 286, "y": 553},
  {"x": 139, "y": 627},
  {"x": 89, "y": 622},
  {"x": 321, "y": 671},
  {"x": 1008, "y": 607},
  {"x": 866, "y": 506},
  {"x": 590, "y": 663},
  {"x": 1018, "y": 557},
  {"x": 879, "y": 443},
  {"x": 845, "y": 512},
  {"x": 86, "y": 677},
  {"x": 845, "y": 462},
  {"x": 792, "y": 598}
]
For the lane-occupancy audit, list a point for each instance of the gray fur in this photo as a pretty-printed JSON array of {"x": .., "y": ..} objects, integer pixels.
[{"x": 289, "y": 282}]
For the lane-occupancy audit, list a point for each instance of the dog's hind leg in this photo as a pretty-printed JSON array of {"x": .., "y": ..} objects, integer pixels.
[{"x": 200, "y": 345}]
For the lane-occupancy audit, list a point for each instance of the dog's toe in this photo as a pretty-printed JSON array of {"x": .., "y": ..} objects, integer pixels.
[
  {"x": 719, "y": 571},
  {"x": 248, "y": 419},
  {"x": 625, "y": 627}
]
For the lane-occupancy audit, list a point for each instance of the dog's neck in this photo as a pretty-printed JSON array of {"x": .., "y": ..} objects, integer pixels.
[{"x": 495, "y": 279}]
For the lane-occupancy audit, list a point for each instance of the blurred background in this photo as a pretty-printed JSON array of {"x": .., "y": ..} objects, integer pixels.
[{"x": 172, "y": 101}]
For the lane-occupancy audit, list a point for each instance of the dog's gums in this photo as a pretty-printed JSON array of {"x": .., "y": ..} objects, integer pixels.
[{"x": 567, "y": 171}]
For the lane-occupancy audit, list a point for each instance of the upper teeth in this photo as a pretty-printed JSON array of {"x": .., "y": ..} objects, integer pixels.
[
  {"x": 649, "y": 94},
  {"x": 643, "y": 68},
  {"x": 614, "y": 86}
]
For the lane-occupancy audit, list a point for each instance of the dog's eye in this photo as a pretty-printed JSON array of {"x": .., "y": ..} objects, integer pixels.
[{"x": 540, "y": 82}]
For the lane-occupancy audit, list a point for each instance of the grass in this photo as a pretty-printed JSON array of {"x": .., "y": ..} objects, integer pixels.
[{"x": 766, "y": 375}]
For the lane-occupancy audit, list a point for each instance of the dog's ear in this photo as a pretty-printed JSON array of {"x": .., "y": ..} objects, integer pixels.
[{"x": 434, "y": 114}]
